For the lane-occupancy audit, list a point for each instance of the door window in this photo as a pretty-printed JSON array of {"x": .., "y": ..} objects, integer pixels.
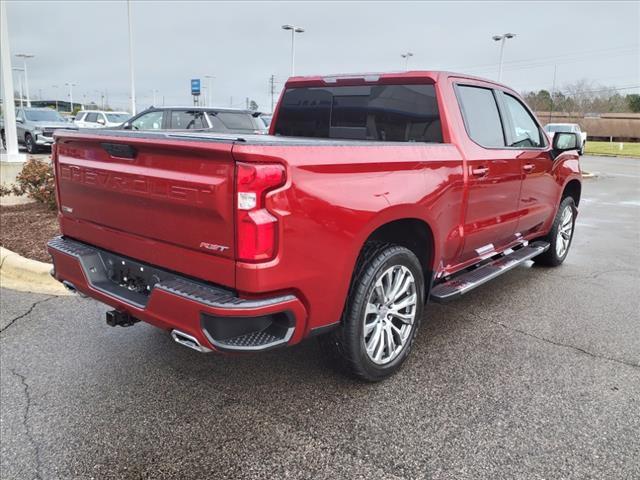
[
  {"x": 187, "y": 120},
  {"x": 481, "y": 116},
  {"x": 91, "y": 117},
  {"x": 524, "y": 129},
  {"x": 148, "y": 121}
]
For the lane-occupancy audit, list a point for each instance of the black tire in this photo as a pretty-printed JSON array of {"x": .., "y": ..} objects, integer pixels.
[
  {"x": 2, "y": 139},
  {"x": 553, "y": 257},
  {"x": 30, "y": 144},
  {"x": 347, "y": 343}
]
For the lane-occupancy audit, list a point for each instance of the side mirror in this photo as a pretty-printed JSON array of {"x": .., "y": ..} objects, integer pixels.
[
  {"x": 565, "y": 141},
  {"x": 101, "y": 121},
  {"x": 126, "y": 126},
  {"x": 19, "y": 120}
]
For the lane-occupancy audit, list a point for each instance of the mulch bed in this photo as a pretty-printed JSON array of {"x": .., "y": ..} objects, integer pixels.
[{"x": 26, "y": 229}]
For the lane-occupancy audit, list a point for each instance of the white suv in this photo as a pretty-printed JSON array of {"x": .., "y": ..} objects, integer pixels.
[{"x": 99, "y": 119}]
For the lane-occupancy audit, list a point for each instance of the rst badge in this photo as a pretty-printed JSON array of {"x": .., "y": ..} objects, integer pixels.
[{"x": 213, "y": 247}]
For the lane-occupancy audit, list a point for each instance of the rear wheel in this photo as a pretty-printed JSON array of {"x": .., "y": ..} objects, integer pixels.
[
  {"x": 560, "y": 236},
  {"x": 382, "y": 313}
]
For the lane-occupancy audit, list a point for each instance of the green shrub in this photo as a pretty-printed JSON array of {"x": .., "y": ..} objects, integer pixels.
[{"x": 36, "y": 180}]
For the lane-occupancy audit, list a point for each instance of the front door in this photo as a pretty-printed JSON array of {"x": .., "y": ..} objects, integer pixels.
[{"x": 537, "y": 199}]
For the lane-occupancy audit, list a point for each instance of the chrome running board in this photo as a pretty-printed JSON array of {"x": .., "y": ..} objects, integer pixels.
[{"x": 467, "y": 280}]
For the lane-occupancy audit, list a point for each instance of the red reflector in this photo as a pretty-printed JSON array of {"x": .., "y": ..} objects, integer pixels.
[{"x": 256, "y": 227}]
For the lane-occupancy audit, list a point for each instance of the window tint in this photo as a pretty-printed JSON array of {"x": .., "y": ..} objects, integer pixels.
[
  {"x": 394, "y": 113},
  {"x": 148, "y": 121},
  {"x": 524, "y": 130},
  {"x": 91, "y": 117},
  {"x": 236, "y": 120},
  {"x": 481, "y": 115},
  {"x": 188, "y": 120}
]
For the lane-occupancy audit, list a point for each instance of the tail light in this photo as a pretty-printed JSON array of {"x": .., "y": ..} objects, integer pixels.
[{"x": 257, "y": 228}]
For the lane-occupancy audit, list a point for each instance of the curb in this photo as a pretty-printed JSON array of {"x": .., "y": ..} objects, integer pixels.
[{"x": 26, "y": 275}]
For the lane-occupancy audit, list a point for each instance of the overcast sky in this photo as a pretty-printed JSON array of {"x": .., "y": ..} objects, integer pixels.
[{"x": 242, "y": 44}]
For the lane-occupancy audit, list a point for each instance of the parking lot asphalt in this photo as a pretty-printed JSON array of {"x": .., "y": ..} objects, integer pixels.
[{"x": 535, "y": 375}]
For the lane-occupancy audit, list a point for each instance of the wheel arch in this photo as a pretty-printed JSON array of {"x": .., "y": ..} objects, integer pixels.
[
  {"x": 572, "y": 189},
  {"x": 415, "y": 234}
]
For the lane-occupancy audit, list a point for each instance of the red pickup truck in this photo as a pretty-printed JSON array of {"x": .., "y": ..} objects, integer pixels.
[{"x": 372, "y": 195}]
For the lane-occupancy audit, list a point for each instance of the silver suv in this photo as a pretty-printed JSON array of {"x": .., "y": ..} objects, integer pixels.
[{"x": 35, "y": 127}]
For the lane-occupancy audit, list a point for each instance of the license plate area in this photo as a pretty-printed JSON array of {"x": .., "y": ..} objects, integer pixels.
[{"x": 122, "y": 277}]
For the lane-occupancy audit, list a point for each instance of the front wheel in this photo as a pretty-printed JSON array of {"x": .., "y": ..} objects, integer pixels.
[
  {"x": 30, "y": 144},
  {"x": 560, "y": 236},
  {"x": 382, "y": 313}
]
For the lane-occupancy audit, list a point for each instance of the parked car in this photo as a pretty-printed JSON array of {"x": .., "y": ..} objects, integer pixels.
[
  {"x": 552, "y": 128},
  {"x": 375, "y": 194},
  {"x": 100, "y": 119},
  {"x": 35, "y": 127},
  {"x": 266, "y": 119},
  {"x": 225, "y": 120}
]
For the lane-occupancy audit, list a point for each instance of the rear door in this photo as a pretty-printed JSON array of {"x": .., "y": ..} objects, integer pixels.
[
  {"x": 494, "y": 175},
  {"x": 525, "y": 137}
]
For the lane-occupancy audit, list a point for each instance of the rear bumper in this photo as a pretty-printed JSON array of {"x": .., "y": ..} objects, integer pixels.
[{"x": 217, "y": 317}]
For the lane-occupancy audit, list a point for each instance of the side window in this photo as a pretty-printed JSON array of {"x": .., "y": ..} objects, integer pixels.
[
  {"x": 148, "y": 121},
  {"x": 187, "y": 120},
  {"x": 91, "y": 117},
  {"x": 20, "y": 115},
  {"x": 524, "y": 130},
  {"x": 481, "y": 116}
]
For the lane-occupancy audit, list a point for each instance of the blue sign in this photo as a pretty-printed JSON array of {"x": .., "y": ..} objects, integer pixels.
[{"x": 195, "y": 86}]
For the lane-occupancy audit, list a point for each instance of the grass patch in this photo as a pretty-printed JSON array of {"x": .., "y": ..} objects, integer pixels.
[{"x": 612, "y": 148}]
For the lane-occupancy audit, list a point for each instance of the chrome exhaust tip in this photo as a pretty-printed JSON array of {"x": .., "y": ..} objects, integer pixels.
[{"x": 188, "y": 341}]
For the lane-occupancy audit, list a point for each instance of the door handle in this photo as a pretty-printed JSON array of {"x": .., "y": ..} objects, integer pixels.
[
  {"x": 529, "y": 167},
  {"x": 480, "y": 171}
]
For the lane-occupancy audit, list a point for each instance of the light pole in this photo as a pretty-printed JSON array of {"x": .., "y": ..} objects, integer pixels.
[
  {"x": 9, "y": 106},
  {"x": 16, "y": 69},
  {"x": 131, "y": 73},
  {"x": 502, "y": 38},
  {"x": 209, "y": 90},
  {"x": 24, "y": 57},
  {"x": 71, "y": 85},
  {"x": 406, "y": 57},
  {"x": 294, "y": 30},
  {"x": 56, "y": 94},
  {"x": 154, "y": 92}
]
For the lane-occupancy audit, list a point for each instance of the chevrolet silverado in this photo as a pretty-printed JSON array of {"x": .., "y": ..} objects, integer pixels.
[{"x": 372, "y": 195}]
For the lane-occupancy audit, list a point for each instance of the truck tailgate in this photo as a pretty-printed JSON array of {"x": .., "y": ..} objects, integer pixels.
[{"x": 165, "y": 202}]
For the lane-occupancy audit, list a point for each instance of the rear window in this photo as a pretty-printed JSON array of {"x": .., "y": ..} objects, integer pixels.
[{"x": 392, "y": 113}]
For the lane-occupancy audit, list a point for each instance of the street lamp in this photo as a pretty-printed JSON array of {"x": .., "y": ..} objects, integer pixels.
[
  {"x": 17, "y": 69},
  {"x": 153, "y": 92},
  {"x": 24, "y": 57},
  {"x": 502, "y": 38},
  {"x": 406, "y": 57},
  {"x": 71, "y": 85},
  {"x": 131, "y": 73},
  {"x": 209, "y": 90},
  {"x": 294, "y": 30}
]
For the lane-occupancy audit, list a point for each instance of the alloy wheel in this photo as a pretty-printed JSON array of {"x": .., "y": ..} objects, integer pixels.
[
  {"x": 565, "y": 230},
  {"x": 390, "y": 314}
]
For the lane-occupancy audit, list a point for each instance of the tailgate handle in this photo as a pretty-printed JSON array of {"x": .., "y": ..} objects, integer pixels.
[{"x": 120, "y": 150}]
